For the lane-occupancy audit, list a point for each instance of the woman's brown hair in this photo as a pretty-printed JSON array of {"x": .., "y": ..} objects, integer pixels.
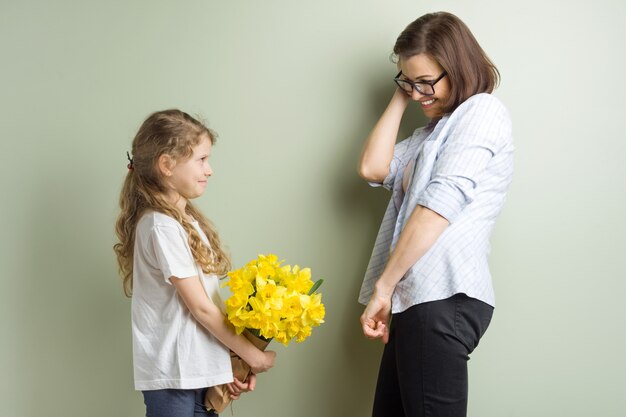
[
  {"x": 449, "y": 41},
  {"x": 173, "y": 133}
]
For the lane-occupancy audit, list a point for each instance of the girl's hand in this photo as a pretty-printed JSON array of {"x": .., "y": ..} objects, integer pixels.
[
  {"x": 236, "y": 388},
  {"x": 375, "y": 318},
  {"x": 266, "y": 361}
]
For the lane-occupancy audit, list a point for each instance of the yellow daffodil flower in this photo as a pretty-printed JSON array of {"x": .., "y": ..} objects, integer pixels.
[{"x": 273, "y": 300}]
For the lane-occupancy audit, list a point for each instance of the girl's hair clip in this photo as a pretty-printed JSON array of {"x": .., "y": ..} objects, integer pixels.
[{"x": 130, "y": 162}]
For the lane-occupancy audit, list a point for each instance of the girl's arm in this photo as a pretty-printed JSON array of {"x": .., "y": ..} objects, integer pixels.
[
  {"x": 418, "y": 236},
  {"x": 378, "y": 149},
  {"x": 211, "y": 317}
]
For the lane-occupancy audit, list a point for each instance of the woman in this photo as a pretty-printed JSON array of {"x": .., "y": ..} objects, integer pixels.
[{"x": 448, "y": 180}]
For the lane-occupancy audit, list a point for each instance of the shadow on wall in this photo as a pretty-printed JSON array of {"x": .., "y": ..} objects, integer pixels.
[{"x": 364, "y": 206}]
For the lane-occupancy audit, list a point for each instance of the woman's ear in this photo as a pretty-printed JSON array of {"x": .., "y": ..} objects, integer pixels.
[{"x": 166, "y": 165}]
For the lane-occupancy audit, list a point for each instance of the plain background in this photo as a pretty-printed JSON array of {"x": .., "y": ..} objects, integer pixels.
[{"x": 293, "y": 88}]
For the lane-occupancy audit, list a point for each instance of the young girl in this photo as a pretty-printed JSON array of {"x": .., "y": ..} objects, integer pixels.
[
  {"x": 170, "y": 257},
  {"x": 448, "y": 181}
]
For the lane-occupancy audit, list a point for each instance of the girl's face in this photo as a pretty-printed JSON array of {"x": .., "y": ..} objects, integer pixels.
[
  {"x": 188, "y": 178},
  {"x": 423, "y": 68}
]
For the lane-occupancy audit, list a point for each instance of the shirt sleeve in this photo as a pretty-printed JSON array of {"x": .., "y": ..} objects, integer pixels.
[
  {"x": 400, "y": 154},
  {"x": 172, "y": 253},
  {"x": 483, "y": 129}
]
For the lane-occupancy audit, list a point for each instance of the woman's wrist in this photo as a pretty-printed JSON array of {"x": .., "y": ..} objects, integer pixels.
[{"x": 383, "y": 290}]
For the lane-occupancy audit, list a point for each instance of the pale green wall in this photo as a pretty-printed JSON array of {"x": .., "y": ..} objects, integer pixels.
[{"x": 293, "y": 88}]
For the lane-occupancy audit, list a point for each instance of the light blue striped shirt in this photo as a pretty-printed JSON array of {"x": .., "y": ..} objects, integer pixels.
[{"x": 461, "y": 169}]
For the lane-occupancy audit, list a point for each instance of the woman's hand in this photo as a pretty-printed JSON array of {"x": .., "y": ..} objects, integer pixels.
[
  {"x": 236, "y": 388},
  {"x": 402, "y": 97},
  {"x": 375, "y": 318}
]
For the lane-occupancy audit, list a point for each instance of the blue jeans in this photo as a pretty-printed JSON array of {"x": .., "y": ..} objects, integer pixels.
[{"x": 176, "y": 403}]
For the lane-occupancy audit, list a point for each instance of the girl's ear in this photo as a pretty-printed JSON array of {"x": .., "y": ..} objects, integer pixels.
[{"x": 166, "y": 164}]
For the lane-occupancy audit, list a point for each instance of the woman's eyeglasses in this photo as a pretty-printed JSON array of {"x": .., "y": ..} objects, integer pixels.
[{"x": 426, "y": 88}]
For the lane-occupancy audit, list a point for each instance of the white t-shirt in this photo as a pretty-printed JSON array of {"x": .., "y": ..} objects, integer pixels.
[{"x": 170, "y": 348}]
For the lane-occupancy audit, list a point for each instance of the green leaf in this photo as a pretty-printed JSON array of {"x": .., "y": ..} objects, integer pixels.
[{"x": 315, "y": 286}]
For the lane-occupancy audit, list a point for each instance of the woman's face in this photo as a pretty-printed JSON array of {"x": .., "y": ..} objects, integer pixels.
[{"x": 423, "y": 68}]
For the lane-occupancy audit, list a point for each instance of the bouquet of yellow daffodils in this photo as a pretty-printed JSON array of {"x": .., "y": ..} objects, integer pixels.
[
  {"x": 269, "y": 301},
  {"x": 274, "y": 301}
]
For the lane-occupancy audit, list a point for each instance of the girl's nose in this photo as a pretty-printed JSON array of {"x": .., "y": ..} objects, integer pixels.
[{"x": 208, "y": 171}]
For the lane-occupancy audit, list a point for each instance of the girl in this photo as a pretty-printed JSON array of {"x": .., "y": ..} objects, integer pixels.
[
  {"x": 448, "y": 181},
  {"x": 170, "y": 257}
]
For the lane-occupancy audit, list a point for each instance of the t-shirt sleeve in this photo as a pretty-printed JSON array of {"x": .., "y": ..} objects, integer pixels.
[
  {"x": 400, "y": 155},
  {"x": 172, "y": 253},
  {"x": 483, "y": 129}
]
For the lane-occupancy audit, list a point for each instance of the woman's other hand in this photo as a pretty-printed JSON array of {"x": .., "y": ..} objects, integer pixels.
[{"x": 375, "y": 318}]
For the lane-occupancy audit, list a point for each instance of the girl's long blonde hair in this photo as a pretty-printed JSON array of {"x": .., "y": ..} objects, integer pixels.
[{"x": 173, "y": 133}]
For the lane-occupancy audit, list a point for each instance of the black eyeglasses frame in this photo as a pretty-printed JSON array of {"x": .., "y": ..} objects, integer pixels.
[{"x": 415, "y": 84}]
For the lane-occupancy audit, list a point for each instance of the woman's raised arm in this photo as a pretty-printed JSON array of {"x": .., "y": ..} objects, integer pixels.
[{"x": 378, "y": 149}]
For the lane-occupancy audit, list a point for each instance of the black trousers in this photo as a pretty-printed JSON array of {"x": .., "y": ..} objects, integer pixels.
[{"x": 423, "y": 371}]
